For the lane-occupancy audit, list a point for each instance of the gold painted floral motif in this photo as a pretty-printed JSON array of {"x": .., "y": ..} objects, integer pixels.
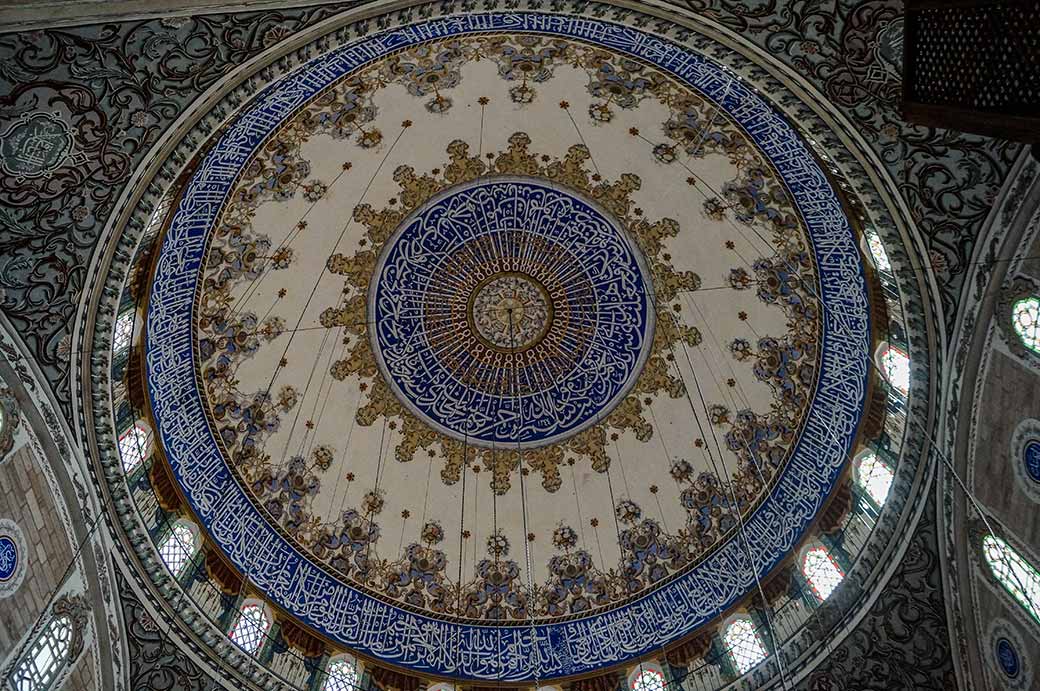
[{"x": 570, "y": 171}]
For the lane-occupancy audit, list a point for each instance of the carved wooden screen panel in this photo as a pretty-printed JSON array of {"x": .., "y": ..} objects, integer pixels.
[{"x": 974, "y": 66}]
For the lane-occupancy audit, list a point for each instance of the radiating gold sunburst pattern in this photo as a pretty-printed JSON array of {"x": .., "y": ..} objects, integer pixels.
[{"x": 572, "y": 172}]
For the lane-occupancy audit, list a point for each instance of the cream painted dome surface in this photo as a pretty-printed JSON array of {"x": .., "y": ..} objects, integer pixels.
[{"x": 502, "y": 333}]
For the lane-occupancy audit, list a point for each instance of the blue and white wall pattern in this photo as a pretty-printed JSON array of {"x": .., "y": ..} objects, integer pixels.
[{"x": 523, "y": 652}]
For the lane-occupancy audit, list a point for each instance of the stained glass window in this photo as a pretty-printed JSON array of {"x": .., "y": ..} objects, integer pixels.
[
  {"x": 132, "y": 446},
  {"x": 648, "y": 680},
  {"x": 251, "y": 628},
  {"x": 744, "y": 645},
  {"x": 822, "y": 572},
  {"x": 1025, "y": 317},
  {"x": 896, "y": 366},
  {"x": 43, "y": 661},
  {"x": 874, "y": 476},
  {"x": 124, "y": 332},
  {"x": 1014, "y": 573},
  {"x": 877, "y": 250},
  {"x": 178, "y": 548},
  {"x": 341, "y": 675}
]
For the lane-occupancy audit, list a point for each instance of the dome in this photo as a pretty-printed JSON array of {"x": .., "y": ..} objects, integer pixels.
[
  {"x": 500, "y": 331},
  {"x": 526, "y": 345}
]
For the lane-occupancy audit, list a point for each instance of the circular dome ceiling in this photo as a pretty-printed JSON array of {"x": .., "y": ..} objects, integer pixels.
[{"x": 502, "y": 333}]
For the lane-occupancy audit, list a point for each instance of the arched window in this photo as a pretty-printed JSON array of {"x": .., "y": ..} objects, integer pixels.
[
  {"x": 895, "y": 364},
  {"x": 1014, "y": 573},
  {"x": 744, "y": 645},
  {"x": 1025, "y": 317},
  {"x": 877, "y": 250},
  {"x": 647, "y": 680},
  {"x": 874, "y": 476},
  {"x": 132, "y": 446},
  {"x": 341, "y": 674},
  {"x": 123, "y": 333},
  {"x": 442, "y": 687},
  {"x": 251, "y": 627},
  {"x": 178, "y": 547},
  {"x": 821, "y": 571},
  {"x": 44, "y": 659}
]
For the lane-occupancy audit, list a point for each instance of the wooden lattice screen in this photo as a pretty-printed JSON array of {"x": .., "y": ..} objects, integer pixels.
[{"x": 974, "y": 66}]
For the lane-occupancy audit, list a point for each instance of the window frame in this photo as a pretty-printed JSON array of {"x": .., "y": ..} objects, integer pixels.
[
  {"x": 122, "y": 337},
  {"x": 731, "y": 647},
  {"x": 335, "y": 662},
  {"x": 1032, "y": 341},
  {"x": 193, "y": 529},
  {"x": 143, "y": 446},
  {"x": 638, "y": 674},
  {"x": 863, "y": 484},
  {"x": 880, "y": 356},
  {"x": 27, "y": 674},
  {"x": 1010, "y": 558},
  {"x": 817, "y": 548},
  {"x": 264, "y": 632}
]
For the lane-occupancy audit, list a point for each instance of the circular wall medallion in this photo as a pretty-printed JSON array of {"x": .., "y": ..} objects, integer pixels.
[
  {"x": 34, "y": 145},
  {"x": 1006, "y": 663},
  {"x": 1031, "y": 458},
  {"x": 1024, "y": 456},
  {"x": 510, "y": 312},
  {"x": 1007, "y": 658},
  {"x": 12, "y": 557},
  {"x": 423, "y": 295}
]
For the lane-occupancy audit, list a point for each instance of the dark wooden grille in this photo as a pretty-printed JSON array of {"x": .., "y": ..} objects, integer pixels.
[{"x": 974, "y": 66}]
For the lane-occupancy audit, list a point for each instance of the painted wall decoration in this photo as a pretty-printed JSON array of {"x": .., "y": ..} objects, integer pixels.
[
  {"x": 10, "y": 418},
  {"x": 252, "y": 334},
  {"x": 13, "y": 557},
  {"x": 35, "y": 145}
]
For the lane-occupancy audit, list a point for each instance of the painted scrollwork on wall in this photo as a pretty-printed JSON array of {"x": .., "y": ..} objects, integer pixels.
[
  {"x": 10, "y": 418},
  {"x": 1017, "y": 295}
]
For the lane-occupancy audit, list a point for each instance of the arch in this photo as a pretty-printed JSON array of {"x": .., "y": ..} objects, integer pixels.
[
  {"x": 743, "y": 644},
  {"x": 894, "y": 364},
  {"x": 821, "y": 571},
  {"x": 251, "y": 626},
  {"x": 43, "y": 661},
  {"x": 134, "y": 446},
  {"x": 1025, "y": 320},
  {"x": 1018, "y": 576},
  {"x": 342, "y": 673},
  {"x": 873, "y": 475},
  {"x": 179, "y": 546}
]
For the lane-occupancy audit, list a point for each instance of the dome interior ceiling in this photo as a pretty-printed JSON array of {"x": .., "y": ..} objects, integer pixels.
[{"x": 511, "y": 327}]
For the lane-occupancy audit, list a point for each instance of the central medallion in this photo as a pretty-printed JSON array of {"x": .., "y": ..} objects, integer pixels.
[
  {"x": 508, "y": 311},
  {"x": 511, "y": 311}
]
